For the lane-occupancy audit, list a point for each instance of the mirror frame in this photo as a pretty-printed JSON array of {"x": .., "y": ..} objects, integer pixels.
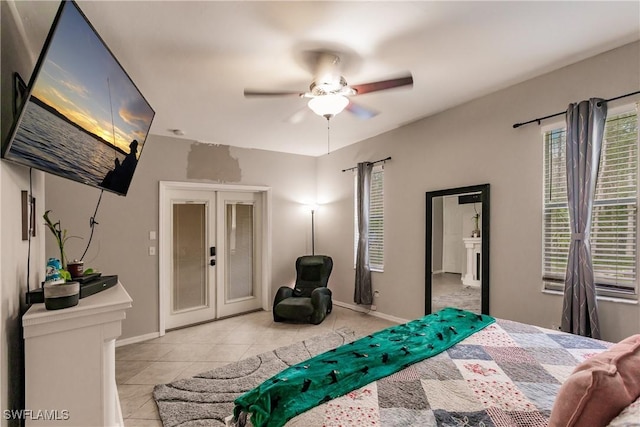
[{"x": 484, "y": 190}]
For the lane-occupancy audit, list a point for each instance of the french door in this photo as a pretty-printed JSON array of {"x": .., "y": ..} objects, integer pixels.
[
  {"x": 238, "y": 259},
  {"x": 211, "y": 254}
]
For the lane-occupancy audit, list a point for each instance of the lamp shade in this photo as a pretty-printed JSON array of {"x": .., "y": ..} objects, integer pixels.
[
  {"x": 328, "y": 105},
  {"x": 312, "y": 207}
]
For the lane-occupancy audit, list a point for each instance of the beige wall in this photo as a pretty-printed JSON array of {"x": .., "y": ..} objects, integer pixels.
[
  {"x": 14, "y": 251},
  {"x": 121, "y": 239},
  {"x": 467, "y": 145},
  {"x": 471, "y": 144}
]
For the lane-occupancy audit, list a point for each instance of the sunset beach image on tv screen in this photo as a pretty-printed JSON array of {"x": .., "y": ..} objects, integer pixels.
[{"x": 84, "y": 118}]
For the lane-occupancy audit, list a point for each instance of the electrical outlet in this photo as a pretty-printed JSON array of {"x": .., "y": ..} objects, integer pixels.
[
  {"x": 373, "y": 307},
  {"x": 152, "y": 250}
]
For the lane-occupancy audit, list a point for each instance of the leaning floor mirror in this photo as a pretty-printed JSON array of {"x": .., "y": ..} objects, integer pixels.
[{"x": 457, "y": 249}]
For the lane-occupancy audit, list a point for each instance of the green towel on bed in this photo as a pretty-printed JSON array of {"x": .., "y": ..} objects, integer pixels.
[{"x": 351, "y": 366}]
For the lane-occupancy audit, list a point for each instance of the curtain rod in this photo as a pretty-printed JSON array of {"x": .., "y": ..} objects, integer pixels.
[
  {"x": 539, "y": 119},
  {"x": 373, "y": 163}
]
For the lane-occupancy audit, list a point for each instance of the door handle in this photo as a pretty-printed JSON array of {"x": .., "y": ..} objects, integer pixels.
[{"x": 212, "y": 254}]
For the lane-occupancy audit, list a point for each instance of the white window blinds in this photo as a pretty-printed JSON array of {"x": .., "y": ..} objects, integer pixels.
[
  {"x": 376, "y": 220},
  {"x": 614, "y": 224}
]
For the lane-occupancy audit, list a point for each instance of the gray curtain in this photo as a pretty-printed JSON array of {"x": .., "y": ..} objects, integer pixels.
[
  {"x": 585, "y": 128},
  {"x": 363, "y": 293}
]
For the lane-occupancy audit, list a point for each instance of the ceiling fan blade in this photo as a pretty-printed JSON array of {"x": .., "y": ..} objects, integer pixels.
[
  {"x": 361, "y": 112},
  {"x": 383, "y": 84},
  {"x": 256, "y": 93}
]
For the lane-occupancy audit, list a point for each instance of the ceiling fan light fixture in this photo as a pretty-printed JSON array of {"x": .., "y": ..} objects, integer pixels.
[{"x": 328, "y": 105}]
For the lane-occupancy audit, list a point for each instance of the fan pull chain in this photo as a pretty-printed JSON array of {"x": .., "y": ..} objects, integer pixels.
[{"x": 328, "y": 135}]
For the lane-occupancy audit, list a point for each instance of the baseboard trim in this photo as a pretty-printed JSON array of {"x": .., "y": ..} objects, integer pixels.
[
  {"x": 370, "y": 312},
  {"x": 361, "y": 309},
  {"x": 139, "y": 338}
]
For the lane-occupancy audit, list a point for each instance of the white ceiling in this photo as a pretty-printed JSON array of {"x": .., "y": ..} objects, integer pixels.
[{"x": 193, "y": 59}]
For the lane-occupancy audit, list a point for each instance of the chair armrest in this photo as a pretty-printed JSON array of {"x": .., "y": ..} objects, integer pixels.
[
  {"x": 283, "y": 293},
  {"x": 321, "y": 302},
  {"x": 320, "y": 296}
]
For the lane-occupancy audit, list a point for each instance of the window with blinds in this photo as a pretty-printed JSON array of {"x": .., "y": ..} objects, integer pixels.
[
  {"x": 614, "y": 223},
  {"x": 376, "y": 220}
]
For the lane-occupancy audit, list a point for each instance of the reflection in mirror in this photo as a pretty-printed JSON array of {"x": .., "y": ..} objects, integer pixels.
[
  {"x": 455, "y": 280},
  {"x": 457, "y": 258}
]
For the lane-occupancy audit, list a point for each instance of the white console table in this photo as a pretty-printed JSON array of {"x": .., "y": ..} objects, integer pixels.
[
  {"x": 473, "y": 245},
  {"x": 70, "y": 361}
]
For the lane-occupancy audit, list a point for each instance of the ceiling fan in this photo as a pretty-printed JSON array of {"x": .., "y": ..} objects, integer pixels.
[{"x": 329, "y": 92}]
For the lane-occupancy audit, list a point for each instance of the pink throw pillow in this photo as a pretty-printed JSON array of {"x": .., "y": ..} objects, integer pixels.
[{"x": 600, "y": 387}]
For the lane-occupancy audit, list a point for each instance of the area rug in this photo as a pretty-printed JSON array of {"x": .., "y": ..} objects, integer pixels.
[
  {"x": 207, "y": 399},
  {"x": 506, "y": 375}
]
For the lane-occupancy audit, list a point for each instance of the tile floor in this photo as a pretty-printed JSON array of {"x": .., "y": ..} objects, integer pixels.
[{"x": 186, "y": 352}]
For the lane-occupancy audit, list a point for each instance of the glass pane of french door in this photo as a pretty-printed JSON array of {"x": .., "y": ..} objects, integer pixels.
[
  {"x": 190, "y": 287},
  {"x": 188, "y": 271},
  {"x": 240, "y": 250},
  {"x": 239, "y": 258}
]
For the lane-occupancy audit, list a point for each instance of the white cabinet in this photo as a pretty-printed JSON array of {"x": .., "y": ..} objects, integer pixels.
[
  {"x": 472, "y": 276},
  {"x": 70, "y": 361}
]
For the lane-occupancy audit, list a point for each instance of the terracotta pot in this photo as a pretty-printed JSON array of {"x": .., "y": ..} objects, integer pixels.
[{"x": 75, "y": 268}]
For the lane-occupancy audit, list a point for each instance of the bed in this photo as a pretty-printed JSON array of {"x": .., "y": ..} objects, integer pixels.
[{"x": 507, "y": 374}]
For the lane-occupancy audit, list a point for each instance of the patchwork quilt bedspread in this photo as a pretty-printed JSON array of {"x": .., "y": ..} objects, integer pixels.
[
  {"x": 341, "y": 370},
  {"x": 507, "y": 374}
]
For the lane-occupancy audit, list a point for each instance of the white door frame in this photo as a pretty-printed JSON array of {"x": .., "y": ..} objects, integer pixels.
[{"x": 164, "y": 267}]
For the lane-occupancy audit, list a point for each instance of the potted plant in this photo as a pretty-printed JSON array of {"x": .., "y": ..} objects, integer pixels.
[
  {"x": 59, "y": 290},
  {"x": 476, "y": 223}
]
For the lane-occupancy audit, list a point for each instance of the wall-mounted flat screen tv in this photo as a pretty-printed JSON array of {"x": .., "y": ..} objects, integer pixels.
[{"x": 82, "y": 117}]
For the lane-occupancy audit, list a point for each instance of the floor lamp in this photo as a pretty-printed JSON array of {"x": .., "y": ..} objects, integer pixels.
[{"x": 313, "y": 209}]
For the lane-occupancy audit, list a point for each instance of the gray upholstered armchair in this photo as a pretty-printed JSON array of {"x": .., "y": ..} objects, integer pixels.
[{"x": 310, "y": 299}]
